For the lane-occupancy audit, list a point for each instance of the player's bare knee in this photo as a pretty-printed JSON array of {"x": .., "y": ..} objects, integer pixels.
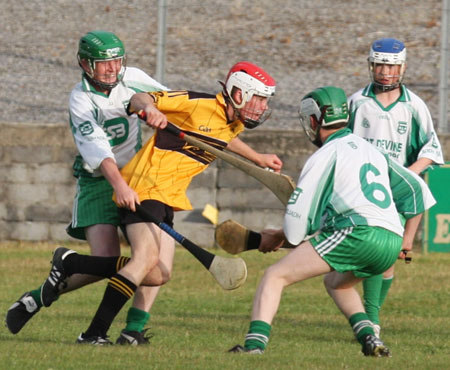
[
  {"x": 163, "y": 280},
  {"x": 166, "y": 276},
  {"x": 273, "y": 275},
  {"x": 151, "y": 262},
  {"x": 270, "y": 273},
  {"x": 155, "y": 279},
  {"x": 328, "y": 281}
]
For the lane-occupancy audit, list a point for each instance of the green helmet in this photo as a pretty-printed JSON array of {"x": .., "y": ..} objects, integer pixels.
[
  {"x": 328, "y": 105},
  {"x": 100, "y": 46}
]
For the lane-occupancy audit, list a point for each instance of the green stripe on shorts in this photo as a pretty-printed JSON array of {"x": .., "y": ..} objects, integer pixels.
[
  {"x": 92, "y": 205},
  {"x": 365, "y": 250}
]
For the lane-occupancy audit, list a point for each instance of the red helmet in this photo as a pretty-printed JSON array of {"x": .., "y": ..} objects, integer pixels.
[{"x": 251, "y": 80}]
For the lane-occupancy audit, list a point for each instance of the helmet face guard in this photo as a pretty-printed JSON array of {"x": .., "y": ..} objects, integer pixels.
[
  {"x": 308, "y": 108},
  {"x": 101, "y": 46},
  {"x": 327, "y": 105},
  {"x": 389, "y": 52},
  {"x": 252, "y": 81}
]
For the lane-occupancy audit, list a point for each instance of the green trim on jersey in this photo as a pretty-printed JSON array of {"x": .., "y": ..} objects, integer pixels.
[
  {"x": 370, "y": 92},
  {"x": 138, "y": 145},
  {"x": 72, "y": 126},
  {"x": 321, "y": 201},
  {"x": 353, "y": 108},
  {"x": 418, "y": 139},
  {"x": 338, "y": 134},
  {"x": 406, "y": 190},
  {"x": 89, "y": 88},
  {"x": 139, "y": 87},
  {"x": 336, "y": 220}
]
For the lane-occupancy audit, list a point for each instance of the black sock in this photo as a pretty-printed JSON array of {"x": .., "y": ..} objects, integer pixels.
[
  {"x": 92, "y": 265},
  {"x": 117, "y": 293}
]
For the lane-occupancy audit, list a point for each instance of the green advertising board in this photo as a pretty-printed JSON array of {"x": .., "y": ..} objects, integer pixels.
[{"x": 436, "y": 236}]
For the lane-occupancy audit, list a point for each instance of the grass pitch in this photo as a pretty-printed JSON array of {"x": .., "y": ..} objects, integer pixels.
[{"x": 194, "y": 321}]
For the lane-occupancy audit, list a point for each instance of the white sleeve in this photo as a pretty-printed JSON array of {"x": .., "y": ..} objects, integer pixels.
[
  {"x": 352, "y": 100},
  {"x": 309, "y": 200},
  {"x": 89, "y": 137},
  {"x": 431, "y": 148},
  {"x": 411, "y": 194},
  {"x": 140, "y": 81}
]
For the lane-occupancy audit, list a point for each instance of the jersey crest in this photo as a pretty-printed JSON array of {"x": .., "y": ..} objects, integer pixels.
[
  {"x": 294, "y": 196},
  {"x": 365, "y": 123},
  {"x": 402, "y": 127},
  {"x": 86, "y": 128}
]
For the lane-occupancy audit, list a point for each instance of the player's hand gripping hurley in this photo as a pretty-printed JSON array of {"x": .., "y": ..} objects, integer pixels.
[
  {"x": 235, "y": 238},
  {"x": 281, "y": 185}
]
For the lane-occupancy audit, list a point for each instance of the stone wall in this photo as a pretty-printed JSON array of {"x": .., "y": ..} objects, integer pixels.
[
  {"x": 36, "y": 183},
  {"x": 37, "y": 187}
]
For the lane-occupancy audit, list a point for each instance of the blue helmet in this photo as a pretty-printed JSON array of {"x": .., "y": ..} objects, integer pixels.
[{"x": 387, "y": 51}]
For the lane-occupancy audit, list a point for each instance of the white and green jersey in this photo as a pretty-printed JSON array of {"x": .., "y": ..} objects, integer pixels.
[
  {"x": 404, "y": 130},
  {"x": 348, "y": 182},
  {"x": 100, "y": 124}
]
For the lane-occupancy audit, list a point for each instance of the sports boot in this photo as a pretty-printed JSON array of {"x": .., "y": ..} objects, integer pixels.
[
  {"x": 57, "y": 277},
  {"x": 20, "y": 312},
  {"x": 373, "y": 346},
  {"x": 239, "y": 349},
  {"x": 95, "y": 340},
  {"x": 133, "y": 338}
]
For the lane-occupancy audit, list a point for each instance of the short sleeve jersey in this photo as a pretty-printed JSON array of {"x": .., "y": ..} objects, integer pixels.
[
  {"x": 404, "y": 130},
  {"x": 348, "y": 182},
  {"x": 100, "y": 125},
  {"x": 163, "y": 169}
]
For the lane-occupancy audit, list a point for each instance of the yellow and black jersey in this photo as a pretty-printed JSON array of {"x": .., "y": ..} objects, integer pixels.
[{"x": 163, "y": 169}]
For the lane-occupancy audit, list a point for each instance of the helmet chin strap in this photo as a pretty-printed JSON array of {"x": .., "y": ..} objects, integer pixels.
[
  {"x": 248, "y": 122},
  {"x": 384, "y": 88},
  {"x": 101, "y": 85},
  {"x": 317, "y": 141}
]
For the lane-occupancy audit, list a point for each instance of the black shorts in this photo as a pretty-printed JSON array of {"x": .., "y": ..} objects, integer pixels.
[{"x": 161, "y": 212}]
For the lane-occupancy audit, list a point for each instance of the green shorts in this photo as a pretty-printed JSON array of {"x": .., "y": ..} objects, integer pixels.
[
  {"x": 92, "y": 205},
  {"x": 364, "y": 250}
]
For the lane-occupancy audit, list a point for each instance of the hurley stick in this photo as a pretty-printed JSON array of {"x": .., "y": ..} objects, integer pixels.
[
  {"x": 234, "y": 238},
  {"x": 281, "y": 185},
  {"x": 230, "y": 273}
]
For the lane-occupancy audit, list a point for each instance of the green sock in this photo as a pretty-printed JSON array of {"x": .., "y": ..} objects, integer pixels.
[
  {"x": 258, "y": 335},
  {"x": 361, "y": 325},
  {"x": 371, "y": 295},
  {"x": 36, "y": 294},
  {"x": 385, "y": 286},
  {"x": 136, "y": 319}
]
